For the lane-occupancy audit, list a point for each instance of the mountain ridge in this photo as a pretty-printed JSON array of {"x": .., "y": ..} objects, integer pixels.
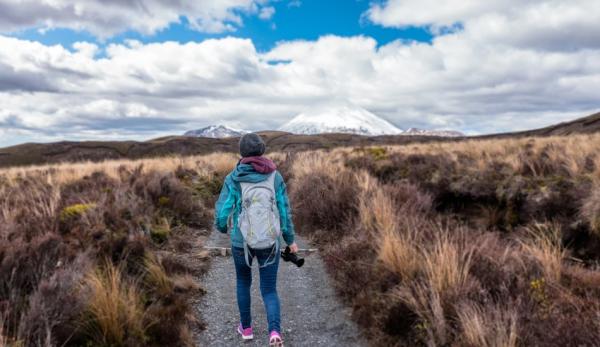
[{"x": 65, "y": 151}]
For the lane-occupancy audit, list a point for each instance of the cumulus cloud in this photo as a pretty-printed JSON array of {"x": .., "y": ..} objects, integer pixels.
[
  {"x": 497, "y": 78},
  {"x": 146, "y": 90},
  {"x": 541, "y": 24},
  {"x": 109, "y": 17}
]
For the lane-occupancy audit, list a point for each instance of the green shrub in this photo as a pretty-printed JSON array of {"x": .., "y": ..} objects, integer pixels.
[
  {"x": 163, "y": 201},
  {"x": 75, "y": 210},
  {"x": 378, "y": 153},
  {"x": 207, "y": 188},
  {"x": 160, "y": 232}
]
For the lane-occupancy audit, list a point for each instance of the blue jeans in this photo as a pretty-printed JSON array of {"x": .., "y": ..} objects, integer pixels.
[{"x": 268, "y": 285}]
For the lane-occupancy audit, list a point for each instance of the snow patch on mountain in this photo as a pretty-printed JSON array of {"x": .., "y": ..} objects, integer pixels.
[{"x": 216, "y": 132}]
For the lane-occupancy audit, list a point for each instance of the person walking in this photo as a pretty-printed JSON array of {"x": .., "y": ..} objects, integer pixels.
[{"x": 254, "y": 207}]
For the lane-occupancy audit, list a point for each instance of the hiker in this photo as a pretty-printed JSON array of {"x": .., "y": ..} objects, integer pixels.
[{"x": 254, "y": 206}]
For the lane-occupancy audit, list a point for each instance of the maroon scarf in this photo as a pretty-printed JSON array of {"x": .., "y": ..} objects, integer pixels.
[{"x": 260, "y": 164}]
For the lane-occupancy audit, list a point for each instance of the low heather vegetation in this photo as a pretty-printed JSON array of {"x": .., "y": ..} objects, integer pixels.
[
  {"x": 104, "y": 254},
  {"x": 474, "y": 243}
]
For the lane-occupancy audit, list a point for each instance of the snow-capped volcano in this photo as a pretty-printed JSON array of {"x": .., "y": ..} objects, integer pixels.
[
  {"x": 340, "y": 119},
  {"x": 216, "y": 131}
]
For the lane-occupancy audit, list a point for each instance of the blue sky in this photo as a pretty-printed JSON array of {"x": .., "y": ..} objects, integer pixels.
[
  {"x": 305, "y": 20},
  {"x": 98, "y": 69}
]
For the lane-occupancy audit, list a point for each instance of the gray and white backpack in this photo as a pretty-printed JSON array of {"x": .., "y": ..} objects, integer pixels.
[{"x": 259, "y": 218}]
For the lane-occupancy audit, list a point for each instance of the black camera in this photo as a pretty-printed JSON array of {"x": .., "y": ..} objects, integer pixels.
[{"x": 287, "y": 255}]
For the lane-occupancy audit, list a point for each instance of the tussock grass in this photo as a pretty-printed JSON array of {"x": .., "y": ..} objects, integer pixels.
[
  {"x": 115, "y": 308},
  {"x": 544, "y": 244},
  {"x": 489, "y": 326},
  {"x": 58, "y": 174},
  {"x": 400, "y": 254},
  {"x": 157, "y": 277},
  {"x": 376, "y": 209},
  {"x": 432, "y": 328},
  {"x": 449, "y": 244},
  {"x": 447, "y": 262}
]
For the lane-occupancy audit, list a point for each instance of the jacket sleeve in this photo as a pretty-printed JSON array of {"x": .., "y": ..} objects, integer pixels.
[
  {"x": 224, "y": 206},
  {"x": 285, "y": 211}
]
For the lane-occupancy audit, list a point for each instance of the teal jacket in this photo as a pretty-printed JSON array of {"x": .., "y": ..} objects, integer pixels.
[{"x": 230, "y": 203}]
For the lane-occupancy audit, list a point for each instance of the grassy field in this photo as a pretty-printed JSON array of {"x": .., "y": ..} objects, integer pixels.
[
  {"x": 474, "y": 243},
  {"x": 104, "y": 254}
]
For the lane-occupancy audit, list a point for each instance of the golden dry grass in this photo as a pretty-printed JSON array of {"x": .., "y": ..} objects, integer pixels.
[
  {"x": 489, "y": 326},
  {"x": 115, "y": 307},
  {"x": 156, "y": 276},
  {"x": 427, "y": 303},
  {"x": 545, "y": 245},
  {"x": 307, "y": 163},
  {"x": 398, "y": 249},
  {"x": 447, "y": 263},
  {"x": 573, "y": 152},
  {"x": 58, "y": 174},
  {"x": 376, "y": 209},
  {"x": 399, "y": 253}
]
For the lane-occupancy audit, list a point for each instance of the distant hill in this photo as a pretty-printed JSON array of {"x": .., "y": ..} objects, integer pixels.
[
  {"x": 585, "y": 125},
  {"x": 33, "y": 153}
]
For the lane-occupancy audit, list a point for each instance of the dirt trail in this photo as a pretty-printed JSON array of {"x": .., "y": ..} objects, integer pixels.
[{"x": 311, "y": 314}]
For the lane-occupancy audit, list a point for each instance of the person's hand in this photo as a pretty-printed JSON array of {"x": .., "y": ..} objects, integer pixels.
[{"x": 293, "y": 248}]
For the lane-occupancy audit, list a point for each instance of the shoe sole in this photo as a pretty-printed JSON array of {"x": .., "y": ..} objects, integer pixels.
[{"x": 276, "y": 344}]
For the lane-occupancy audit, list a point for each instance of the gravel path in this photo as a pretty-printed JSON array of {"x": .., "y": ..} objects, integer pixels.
[{"x": 311, "y": 314}]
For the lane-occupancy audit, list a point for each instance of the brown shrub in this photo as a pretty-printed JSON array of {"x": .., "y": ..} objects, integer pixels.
[
  {"x": 52, "y": 316},
  {"x": 409, "y": 199},
  {"x": 323, "y": 202},
  {"x": 57, "y": 224}
]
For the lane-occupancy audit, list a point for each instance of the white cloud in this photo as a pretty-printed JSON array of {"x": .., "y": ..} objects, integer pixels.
[
  {"x": 107, "y": 18},
  {"x": 266, "y": 13},
  {"x": 540, "y": 24},
  {"x": 144, "y": 90},
  {"x": 504, "y": 71}
]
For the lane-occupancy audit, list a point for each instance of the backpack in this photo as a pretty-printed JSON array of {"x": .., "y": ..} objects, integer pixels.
[{"x": 259, "y": 217}]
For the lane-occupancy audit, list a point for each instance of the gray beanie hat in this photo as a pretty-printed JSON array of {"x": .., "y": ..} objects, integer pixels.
[{"x": 252, "y": 145}]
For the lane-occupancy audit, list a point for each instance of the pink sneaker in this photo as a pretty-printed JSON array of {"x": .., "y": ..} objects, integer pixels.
[
  {"x": 275, "y": 339},
  {"x": 246, "y": 333}
]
